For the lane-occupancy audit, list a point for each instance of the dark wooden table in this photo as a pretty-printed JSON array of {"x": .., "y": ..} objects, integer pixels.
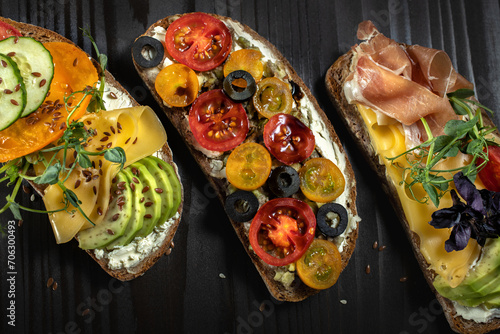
[{"x": 184, "y": 292}]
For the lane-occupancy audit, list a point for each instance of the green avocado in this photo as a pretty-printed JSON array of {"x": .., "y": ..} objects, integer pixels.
[
  {"x": 174, "y": 182},
  {"x": 115, "y": 220},
  {"x": 151, "y": 200},
  {"x": 138, "y": 211},
  {"x": 164, "y": 188},
  {"x": 482, "y": 281}
]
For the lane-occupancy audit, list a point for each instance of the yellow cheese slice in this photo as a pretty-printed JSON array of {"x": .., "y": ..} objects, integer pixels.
[
  {"x": 389, "y": 141},
  {"x": 138, "y": 131}
]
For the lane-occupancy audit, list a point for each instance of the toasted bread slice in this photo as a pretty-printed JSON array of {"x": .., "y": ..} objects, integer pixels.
[
  {"x": 211, "y": 165},
  {"x": 335, "y": 78},
  {"x": 114, "y": 91}
]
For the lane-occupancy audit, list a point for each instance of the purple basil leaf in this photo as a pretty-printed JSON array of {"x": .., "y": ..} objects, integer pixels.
[
  {"x": 469, "y": 192},
  {"x": 459, "y": 238},
  {"x": 446, "y": 218}
]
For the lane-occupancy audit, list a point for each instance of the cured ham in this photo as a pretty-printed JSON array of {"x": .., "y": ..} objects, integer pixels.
[{"x": 403, "y": 83}]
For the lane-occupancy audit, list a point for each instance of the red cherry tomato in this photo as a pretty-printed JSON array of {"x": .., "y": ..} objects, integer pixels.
[
  {"x": 198, "y": 40},
  {"x": 217, "y": 122},
  {"x": 490, "y": 173},
  {"x": 6, "y": 30},
  {"x": 282, "y": 231},
  {"x": 288, "y": 139}
]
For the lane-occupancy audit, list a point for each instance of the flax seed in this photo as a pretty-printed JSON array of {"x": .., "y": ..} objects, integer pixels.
[
  {"x": 42, "y": 83},
  {"x": 110, "y": 231},
  {"x": 145, "y": 189},
  {"x": 375, "y": 245},
  {"x": 159, "y": 190},
  {"x": 50, "y": 281},
  {"x": 75, "y": 62},
  {"x": 116, "y": 216},
  {"x": 381, "y": 248},
  {"x": 148, "y": 204},
  {"x": 367, "y": 269}
]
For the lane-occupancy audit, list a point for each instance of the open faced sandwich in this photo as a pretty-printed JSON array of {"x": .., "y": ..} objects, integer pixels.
[
  {"x": 99, "y": 160},
  {"x": 263, "y": 142},
  {"x": 436, "y": 151}
]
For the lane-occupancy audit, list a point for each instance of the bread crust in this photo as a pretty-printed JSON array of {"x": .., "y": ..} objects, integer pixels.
[
  {"x": 298, "y": 291},
  {"x": 44, "y": 35},
  {"x": 335, "y": 78}
]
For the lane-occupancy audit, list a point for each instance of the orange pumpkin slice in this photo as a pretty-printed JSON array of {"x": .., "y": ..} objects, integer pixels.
[{"x": 73, "y": 71}]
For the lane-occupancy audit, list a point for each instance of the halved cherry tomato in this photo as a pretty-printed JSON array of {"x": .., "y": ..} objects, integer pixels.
[
  {"x": 288, "y": 139},
  {"x": 199, "y": 41},
  {"x": 247, "y": 60},
  {"x": 177, "y": 85},
  {"x": 490, "y": 173},
  {"x": 320, "y": 266},
  {"x": 73, "y": 71},
  {"x": 282, "y": 230},
  {"x": 321, "y": 180},
  {"x": 273, "y": 96},
  {"x": 6, "y": 30},
  {"x": 217, "y": 122},
  {"x": 248, "y": 166}
]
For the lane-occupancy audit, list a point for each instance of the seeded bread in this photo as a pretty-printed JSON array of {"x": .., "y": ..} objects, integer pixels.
[
  {"x": 45, "y": 35},
  {"x": 334, "y": 80},
  {"x": 298, "y": 290}
]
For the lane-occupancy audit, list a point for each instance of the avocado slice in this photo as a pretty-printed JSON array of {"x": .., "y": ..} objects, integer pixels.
[
  {"x": 138, "y": 210},
  {"x": 483, "y": 280},
  {"x": 152, "y": 200},
  {"x": 164, "y": 188},
  {"x": 174, "y": 182},
  {"x": 115, "y": 219}
]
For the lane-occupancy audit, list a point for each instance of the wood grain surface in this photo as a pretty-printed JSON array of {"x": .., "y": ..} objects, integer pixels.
[{"x": 208, "y": 284}]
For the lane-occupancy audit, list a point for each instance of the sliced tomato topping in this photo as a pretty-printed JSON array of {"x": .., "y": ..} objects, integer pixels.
[
  {"x": 321, "y": 180},
  {"x": 320, "y": 266},
  {"x": 198, "y": 40},
  {"x": 288, "y": 139},
  {"x": 490, "y": 173},
  {"x": 282, "y": 230},
  {"x": 217, "y": 122},
  {"x": 273, "y": 96},
  {"x": 6, "y": 30},
  {"x": 247, "y": 60},
  {"x": 73, "y": 71},
  {"x": 248, "y": 166},
  {"x": 177, "y": 85}
]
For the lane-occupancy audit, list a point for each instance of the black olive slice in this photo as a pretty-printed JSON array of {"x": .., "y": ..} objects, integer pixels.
[
  {"x": 152, "y": 44},
  {"x": 322, "y": 219},
  {"x": 241, "y": 206},
  {"x": 284, "y": 181},
  {"x": 246, "y": 93}
]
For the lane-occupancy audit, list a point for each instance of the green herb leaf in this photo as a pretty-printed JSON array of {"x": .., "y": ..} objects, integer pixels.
[
  {"x": 51, "y": 175},
  {"x": 459, "y": 128},
  {"x": 462, "y": 93},
  {"x": 116, "y": 155},
  {"x": 431, "y": 191},
  {"x": 14, "y": 208}
]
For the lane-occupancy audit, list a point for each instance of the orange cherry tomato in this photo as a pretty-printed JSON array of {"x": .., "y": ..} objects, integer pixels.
[
  {"x": 273, "y": 96},
  {"x": 247, "y": 60},
  {"x": 321, "y": 180},
  {"x": 177, "y": 85},
  {"x": 248, "y": 166},
  {"x": 73, "y": 71},
  {"x": 320, "y": 266}
]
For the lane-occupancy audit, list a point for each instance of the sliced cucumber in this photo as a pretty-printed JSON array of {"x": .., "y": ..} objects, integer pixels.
[
  {"x": 12, "y": 92},
  {"x": 35, "y": 65}
]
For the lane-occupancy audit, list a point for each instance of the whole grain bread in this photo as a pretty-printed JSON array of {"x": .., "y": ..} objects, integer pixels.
[
  {"x": 335, "y": 78},
  {"x": 298, "y": 290},
  {"x": 44, "y": 35}
]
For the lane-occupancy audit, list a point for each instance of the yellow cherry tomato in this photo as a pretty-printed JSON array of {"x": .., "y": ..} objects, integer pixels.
[
  {"x": 321, "y": 180},
  {"x": 273, "y": 96},
  {"x": 177, "y": 85},
  {"x": 248, "y": 166},
  {"x": 320, "y": 266},
  {"x": 247, "y": 60}
]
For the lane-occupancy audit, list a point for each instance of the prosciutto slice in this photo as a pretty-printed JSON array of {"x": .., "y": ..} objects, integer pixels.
[{"x": 403, "y": 83}]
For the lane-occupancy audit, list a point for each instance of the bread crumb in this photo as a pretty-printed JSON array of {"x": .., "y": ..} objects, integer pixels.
[
  {"x": 343, "y": 301},
  {"x": 221, "y": 275}
]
